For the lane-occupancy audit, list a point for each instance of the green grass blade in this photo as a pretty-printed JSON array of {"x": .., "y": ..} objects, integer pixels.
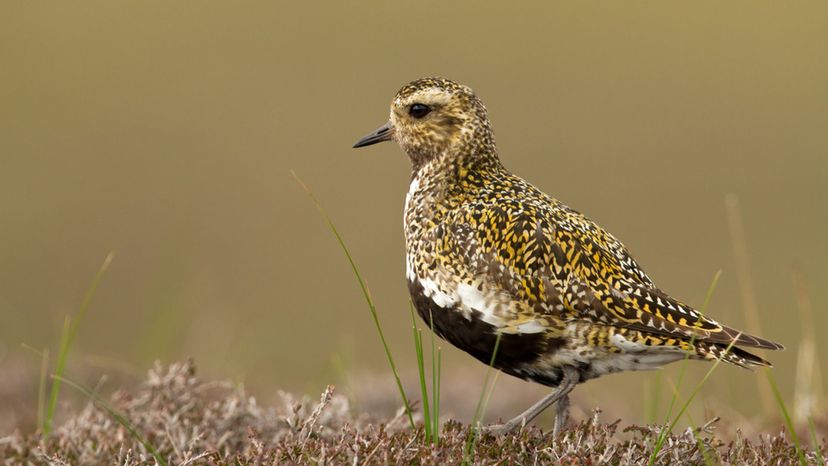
[
  {"x": 41, "y": 388},
  {"x": 70, "y": 331},
  {"x": 478, "y": 412},
  {"x": 437, "y": 396},
  {"x": 435, "y": 387},
  {"x": 489, "y": 393},
  {"x": 786, "y": 416},
  {"x": 55, "y": 390},
  {"x": 709, "y": 295},
  {"x": 365, "y": 293},
  {"x": 418, "y": 347},
  {"x": 120, "y": 418},
  {"x": 815, "y": 441},
  {"x": 41, "y": 385},
  {"x": 684, "y": 363},
  {"x": 694, "y": 430},
  {"x": 662, "y": 437},
  {"x": 654, "y": 397}
]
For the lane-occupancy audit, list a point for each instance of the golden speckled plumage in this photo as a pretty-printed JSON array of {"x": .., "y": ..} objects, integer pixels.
[{"x": 488, "y": 252}]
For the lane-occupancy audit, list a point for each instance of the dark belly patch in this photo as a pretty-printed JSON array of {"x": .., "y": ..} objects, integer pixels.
[{"x": 515, "y": 353}]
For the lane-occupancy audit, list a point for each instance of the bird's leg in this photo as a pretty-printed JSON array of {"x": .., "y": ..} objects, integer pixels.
[
  {"x": 560, "y": 395},
  {"x": 561, "y": 415}
]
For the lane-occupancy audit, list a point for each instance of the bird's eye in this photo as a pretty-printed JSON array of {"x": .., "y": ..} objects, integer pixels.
[{"x": 418, "y": 110}]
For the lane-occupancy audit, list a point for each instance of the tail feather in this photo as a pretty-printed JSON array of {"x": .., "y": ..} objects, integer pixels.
[
  {"x": 734, "y": 355},
  {"x": 743, "y": 339}
]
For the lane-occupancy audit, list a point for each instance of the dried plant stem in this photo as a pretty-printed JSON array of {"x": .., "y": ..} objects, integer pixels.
[
  {"x": 808, "y": 385},
  {"x": 366, "y": 294},
  {"x": 747, "y": 289},
  {"x": 70, "y": 331}
]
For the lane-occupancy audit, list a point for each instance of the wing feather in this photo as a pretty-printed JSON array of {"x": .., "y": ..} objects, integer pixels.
[{"x": 567, "y": 265}]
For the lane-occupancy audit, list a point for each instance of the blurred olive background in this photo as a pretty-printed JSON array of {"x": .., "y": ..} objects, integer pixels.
[{"x": 165, "y": 131}]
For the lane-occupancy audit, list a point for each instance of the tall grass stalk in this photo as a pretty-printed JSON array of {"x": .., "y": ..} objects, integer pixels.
[
  {"x": 418, "y": 347},
  {"x": 808, "y": 380},
  {"x": 439, "y": 382},
  {"x": 479, "y": 410},
  {"x": 652, "y": 396},
  {"x": 41, "y": 387},
  {"x": 436, "y": 368},
  {"x": 751, "y": 310},
  {"x": 662, "y": 436},
  {"x": 118, "y": 417},
  {"x": 815, "y": 441},
  {"x": 431, "y": 407},
  {"x": 787, "y": 417},
  {"x": 666, "y": 431},
  {"x": 70, "y": 331},
  {"x": 684, "y": 362},
  {"x": 365, "y": 293},
  {"x": 747, "y": 289},
  {"x": 489, "y": 393},
  {"x": 481, "y": 405},
  {"x": 694, "y": 429}
]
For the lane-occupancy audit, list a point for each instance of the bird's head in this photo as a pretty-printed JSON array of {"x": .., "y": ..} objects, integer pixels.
[{"x": 436, "y": 117}]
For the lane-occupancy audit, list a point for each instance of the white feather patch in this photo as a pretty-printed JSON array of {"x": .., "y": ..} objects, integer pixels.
[
  {"x": 412, "y": 188},
  {"x": 409, "y": 269},
  {"x": 440, "y": 298},
  {"x": 533, "y": 326},
  {"x": 472, "y": 298},
  {"x": 627, "y": 346}
]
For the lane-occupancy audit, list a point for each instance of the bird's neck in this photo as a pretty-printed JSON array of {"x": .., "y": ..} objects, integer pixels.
[{"x": 452, "y": 173}]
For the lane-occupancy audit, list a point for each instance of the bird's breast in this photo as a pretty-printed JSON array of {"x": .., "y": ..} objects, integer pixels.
[{"x": 412, "y": 190}]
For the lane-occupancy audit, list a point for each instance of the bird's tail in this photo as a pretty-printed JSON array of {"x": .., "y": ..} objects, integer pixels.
[{"x": 734, "y": 355}]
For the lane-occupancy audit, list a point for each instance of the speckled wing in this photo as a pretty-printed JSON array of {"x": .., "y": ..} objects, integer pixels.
[{"x": 561, "y": 264}]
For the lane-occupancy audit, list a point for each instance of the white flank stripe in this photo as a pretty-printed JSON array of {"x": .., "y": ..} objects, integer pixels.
[
  {"x": 472, "y": 298},
  {"x": 440, "y": 298}
]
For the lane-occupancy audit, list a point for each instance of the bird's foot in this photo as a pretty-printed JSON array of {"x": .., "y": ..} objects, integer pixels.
[
  {"x": 502, "y": 429},
  {"x": 517, "y": 424},
  {"x": 560, "y": 397}
]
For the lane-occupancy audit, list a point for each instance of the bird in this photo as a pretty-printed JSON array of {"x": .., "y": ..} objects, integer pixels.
[{"x": 520, "y": 280}]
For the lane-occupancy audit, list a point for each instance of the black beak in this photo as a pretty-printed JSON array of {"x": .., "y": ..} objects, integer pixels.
[{"x": 383, "y": 133}]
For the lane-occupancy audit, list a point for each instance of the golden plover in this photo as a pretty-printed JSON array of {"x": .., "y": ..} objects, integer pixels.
[{"x": 489, "y": 254}]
